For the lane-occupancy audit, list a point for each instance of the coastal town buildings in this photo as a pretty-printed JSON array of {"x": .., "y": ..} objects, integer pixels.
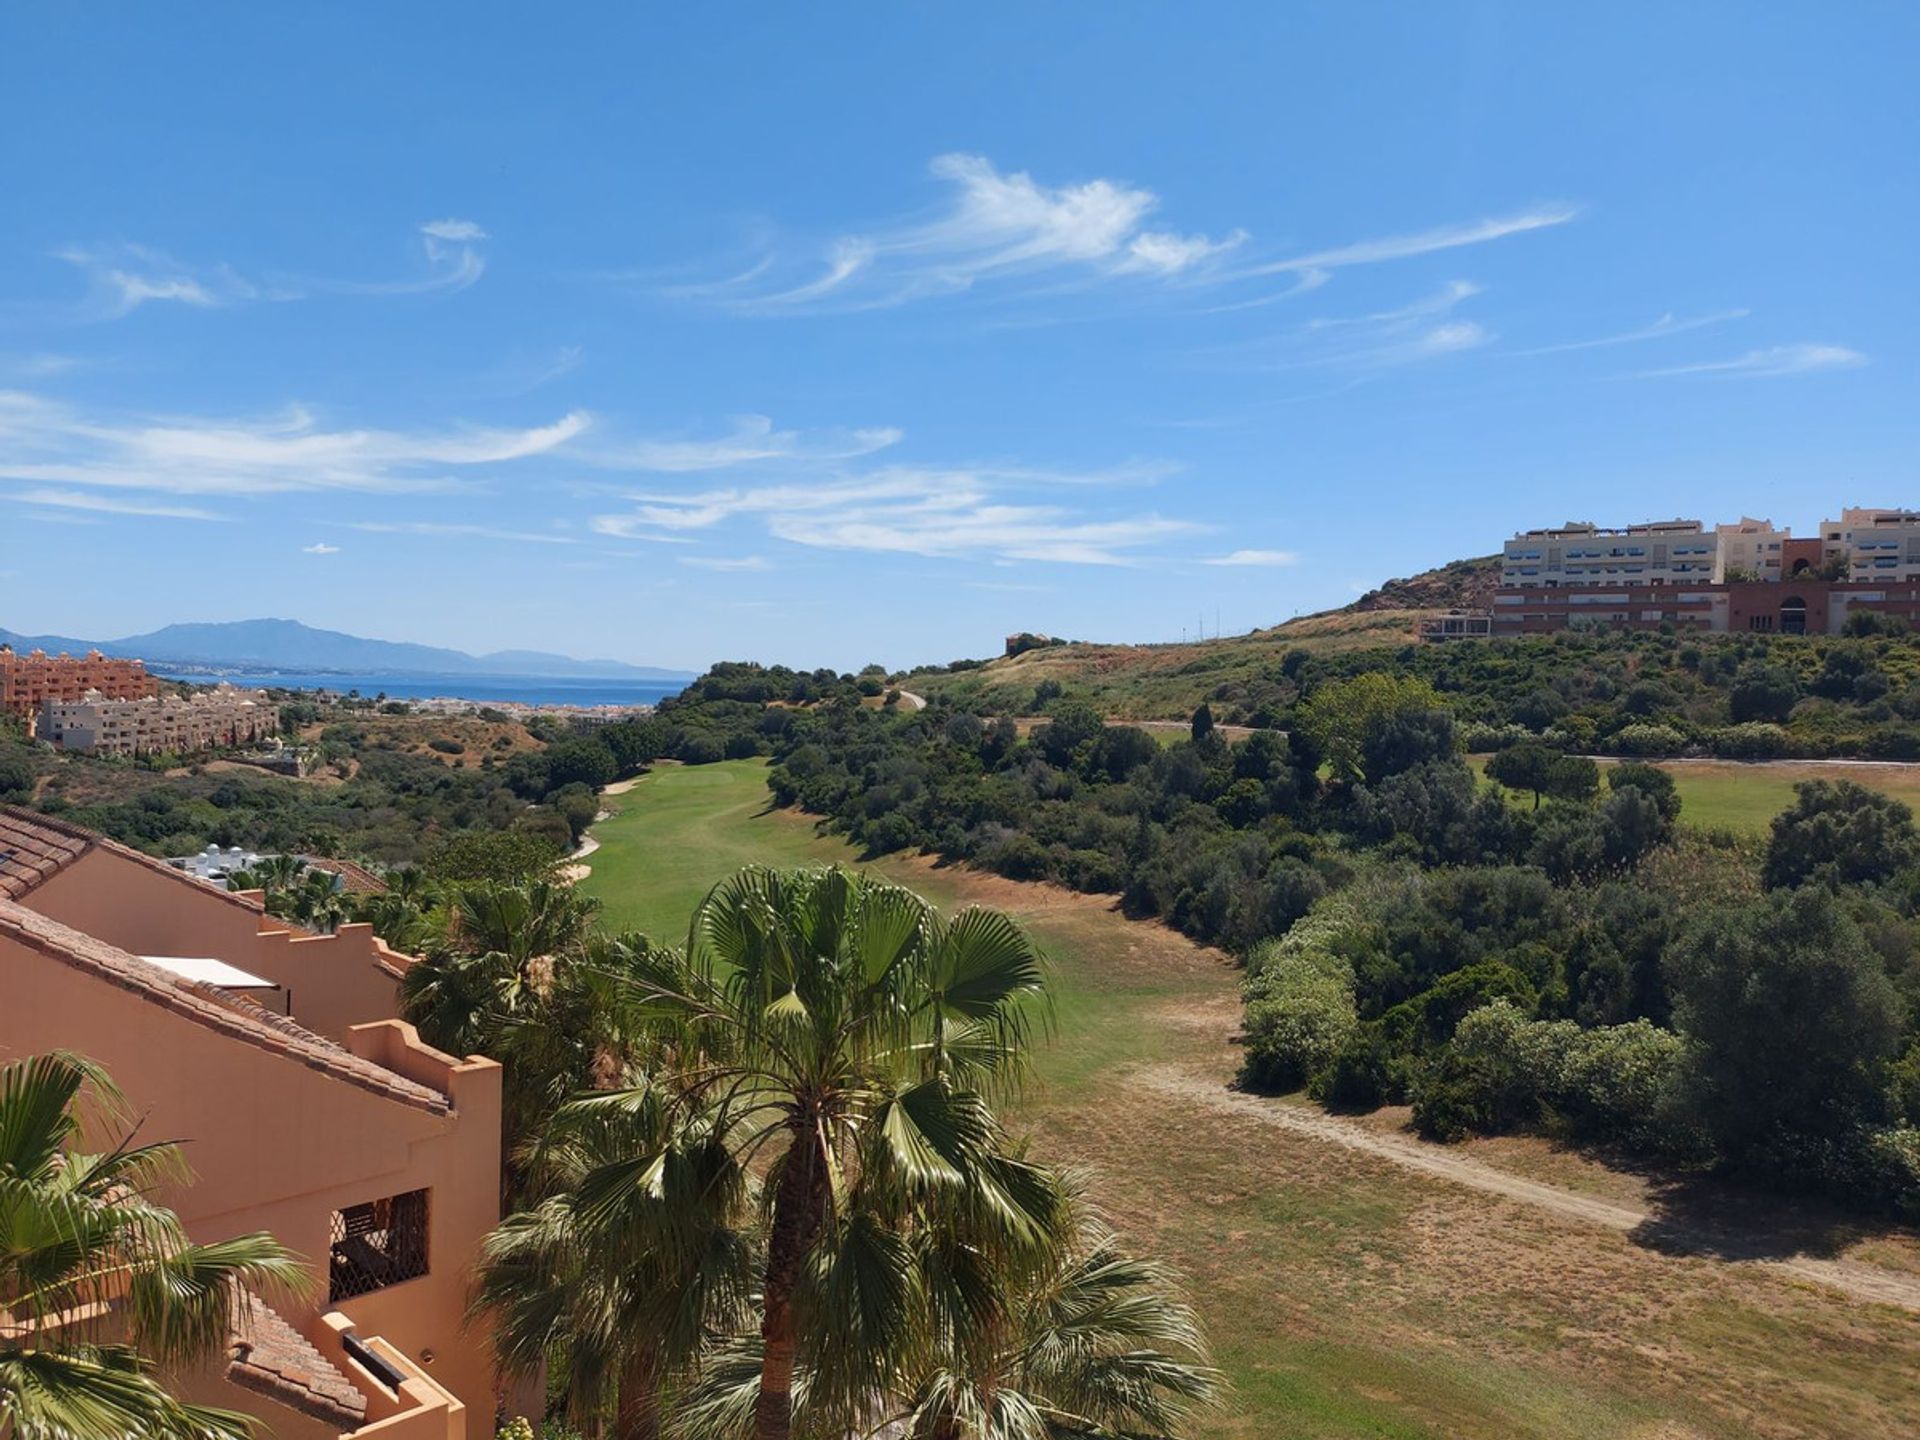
[
  {"x": 97, "y": 724},
  {"x": 28, "y": 681},
  {"x": 1746, "y": 576},
  {"x": 308, "y": 1111}
]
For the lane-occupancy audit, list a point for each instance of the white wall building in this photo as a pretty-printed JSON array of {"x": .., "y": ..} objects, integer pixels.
[
  {"x": 1663, "y": 552},
  {"x": 1879, "y": 544},
  {"x": 158, "y": 724},
  {"x": 1750, "y": 549}
]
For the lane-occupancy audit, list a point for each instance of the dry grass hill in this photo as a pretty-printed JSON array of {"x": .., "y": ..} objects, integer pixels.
[{"x": 1166, "y": 682}]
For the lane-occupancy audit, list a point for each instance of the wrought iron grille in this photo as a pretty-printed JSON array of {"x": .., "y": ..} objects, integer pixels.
[{"x": 377, "y": 1244}]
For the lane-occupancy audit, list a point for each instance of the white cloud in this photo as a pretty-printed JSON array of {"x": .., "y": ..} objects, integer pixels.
[
  {"x": 1769, "y": 363},
  {"x": 1366, "y": 344},
  {"x": 109, "y": 505},
  {"x": 464, "y": 230},
  {"x": 1668, "y": 324},
  {"x": 44, "y": 441},
  {"x": 994, "y": 225},
  {"x": 951, "y": 513},
  {"x": 459, "y": 529},
  {"x": 1011, "y": 228},
  {"x": 123, "y": 277},
  {"x": 1254, "y": 557},
  {"x": 753, "y": 440},
  {"x": 726, "y": 562},
  {"x": 1423, "y": 242},
  {"x": 320, "y": 547}
]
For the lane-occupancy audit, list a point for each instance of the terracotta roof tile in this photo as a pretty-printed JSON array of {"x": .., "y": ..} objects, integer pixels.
[
  {"x": 34, "y": 848},
  {"x": 355, "y": 878},
  {"x": 210, "y": 1007},
  {"x": 271, "y": 1358}
]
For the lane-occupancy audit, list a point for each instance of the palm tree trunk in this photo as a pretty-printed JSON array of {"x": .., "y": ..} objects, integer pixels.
[
  {"x": 637, "y": 1414},
  {"x": 799, "y": 1208}
]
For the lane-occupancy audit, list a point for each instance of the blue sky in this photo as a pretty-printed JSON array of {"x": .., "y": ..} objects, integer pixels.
[{"x": 828, "y": 334}]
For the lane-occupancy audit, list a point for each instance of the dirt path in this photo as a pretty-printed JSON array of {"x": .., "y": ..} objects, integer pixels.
[
  {"x": 913, "y": 701},
  {"x": 1862, "y": 1282}
]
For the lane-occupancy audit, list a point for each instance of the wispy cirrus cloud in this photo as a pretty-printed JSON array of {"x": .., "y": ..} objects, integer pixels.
[
  {"x": 1009, "y": 229},
  {"x": 752, "y": 440},
  {"x": 1766, "y": 364},
  {"x": 109, "y": 505},
  {"x": 726, "y": 562},
  {"x": 1666, "y": 325},
  {"x": 1362, "y": 345},
  {"x": 1254, "y": 558},
  {"x": 122, "y": 277},
  {"x": 319, "y": 547},
  {"x": 979, "y": 512},
  {"x": 459, "y": 529},
  {"x": 45, "y": 441}
]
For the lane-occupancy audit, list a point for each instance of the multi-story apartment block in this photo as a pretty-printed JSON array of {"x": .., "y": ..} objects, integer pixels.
[
  {"x": 1877, "y": 544},
  {"x": 1750, "y": 575},
  {"x": 1582, "y": 553},
  {"x": 308, "y": 1109},
  {"x": 28, "y": 681},
  {"x": 1750, "y": 550},
  {"x": 219, "y": 717}
]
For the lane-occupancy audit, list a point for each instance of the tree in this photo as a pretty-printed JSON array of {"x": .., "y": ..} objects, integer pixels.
[
  {"x": 1837, "y": 832},
  {"x": 1763, "y": 692},
  {"x": 16, "y": 776},
  {"x": 1651, "y": 781},
  {"x": 617, "y": 1279},
  {"x": 1375, "y": 725},
  {"x": 1073, "y": 723},
  {"x": 77, "y": 1230},
  {"x": 1790, "y": 1019},
  {"x": 847, "y": 1027},
  {"x": 1535, "y": 767},
  {"x": 1064, "y": 1335},
  {"x": 1202, "y": 727},
  {"x": 518, "y": 977}
]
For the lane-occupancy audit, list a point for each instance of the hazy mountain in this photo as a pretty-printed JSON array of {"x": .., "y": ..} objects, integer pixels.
[{"x": 290, "y": 646}]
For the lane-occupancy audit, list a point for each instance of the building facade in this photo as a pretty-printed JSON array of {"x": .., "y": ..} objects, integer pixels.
[
  {"x": 307, "y": 1108},
  {"x": 1582, "y": 553},
  {"x": 28, "y": 681},
  {"x": 1876, "y": 544},
  {"x": 222, "y": 716},
  {"x": 1750, "y": 576}
]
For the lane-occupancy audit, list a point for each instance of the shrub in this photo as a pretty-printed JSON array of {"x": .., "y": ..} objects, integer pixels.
[
  {"x": 1648, "y": 740},
  {"x": 1299, "y": 1015},
  {"x": 1840, "y": 833},
  {"x": 445, "y": 746},
  {"x": 1756, "y": 740}
]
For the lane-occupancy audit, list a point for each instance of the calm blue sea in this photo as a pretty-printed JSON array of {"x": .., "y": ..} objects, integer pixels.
[{"x": 527, "y": 691}]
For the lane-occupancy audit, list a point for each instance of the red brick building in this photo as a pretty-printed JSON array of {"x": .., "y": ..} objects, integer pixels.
[
  {"x": 27, "y": 680},
  {"x": 1768, "y": 607}
]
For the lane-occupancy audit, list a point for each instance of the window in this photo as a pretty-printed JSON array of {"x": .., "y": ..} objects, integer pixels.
[{"x": 376, "y": 1245}]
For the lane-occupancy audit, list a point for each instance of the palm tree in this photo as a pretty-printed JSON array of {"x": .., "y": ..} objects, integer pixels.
[
  {"x": 516, "y": 977},
  {"x": 841, "y": 1023},
  {"x": 619, "y": 1279},
  {"x": 85, "y": 1252},
  {"x": 1063, "y": 1336}
]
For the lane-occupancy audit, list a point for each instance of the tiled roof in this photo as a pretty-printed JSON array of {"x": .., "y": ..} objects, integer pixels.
[
  {"x": 211, "y": 1008},
  {"x": 272, "y": 1358},
  {"x": 355, "y": 878},
  {"x": 35, "y": 848},
  {"x": 59, "y": 844}
]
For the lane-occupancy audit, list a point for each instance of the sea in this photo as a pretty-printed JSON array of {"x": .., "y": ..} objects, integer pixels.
[{"x": 525, "y": 690}]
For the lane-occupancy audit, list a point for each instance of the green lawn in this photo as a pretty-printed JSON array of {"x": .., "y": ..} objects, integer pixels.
[
  {"x": 1344, "y": 1298},
  {"x": 1725, "y": 794}
]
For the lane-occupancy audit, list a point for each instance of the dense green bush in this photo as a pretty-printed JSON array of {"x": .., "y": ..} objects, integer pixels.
[{"x": 1299, "y": 1015}]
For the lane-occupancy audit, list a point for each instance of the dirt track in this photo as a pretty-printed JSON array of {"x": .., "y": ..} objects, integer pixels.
[{"x": 1862, "y": 1282}]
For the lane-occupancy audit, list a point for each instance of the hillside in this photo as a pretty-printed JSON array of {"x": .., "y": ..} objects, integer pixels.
[
  {"x": 1167, "y": 682},
  {"x": 288, "y": 645},
  {"x": 1457, "y": 585}
]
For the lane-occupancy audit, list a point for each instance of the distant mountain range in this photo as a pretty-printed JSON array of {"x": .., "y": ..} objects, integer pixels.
[{"x": 289, "y": 647}]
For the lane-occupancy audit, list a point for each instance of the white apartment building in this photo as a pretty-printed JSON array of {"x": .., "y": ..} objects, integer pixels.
[
  {"x": 1879, "y": 544},
  {"x": 158, "y": 724},
  {"x": 1750, "y": 549},
  {"x": 1663, "y": 552}
]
